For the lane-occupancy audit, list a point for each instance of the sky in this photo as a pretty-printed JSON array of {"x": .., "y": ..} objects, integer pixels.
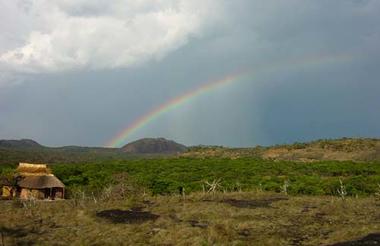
[{"x": 80, "y": 72}]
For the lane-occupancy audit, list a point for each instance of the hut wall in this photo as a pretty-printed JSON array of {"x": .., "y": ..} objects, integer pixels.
[
  {"x": 32, "y": 193},
  {"x": 24, "y": 194},
  {"x": 7, "y": 192}
]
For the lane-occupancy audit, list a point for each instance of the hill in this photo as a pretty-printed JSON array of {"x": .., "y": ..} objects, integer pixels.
[
  {"x": 153, "y": 146},
  {"x": 14, "y": 151},
  {"x": 23, "y": 143},
  {"x": 355, "y": 149}
]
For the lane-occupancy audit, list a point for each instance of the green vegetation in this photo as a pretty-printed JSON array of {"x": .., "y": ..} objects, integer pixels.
[
  {"x": 167, "y": 176},
  {"x": 245, "y": 206}
]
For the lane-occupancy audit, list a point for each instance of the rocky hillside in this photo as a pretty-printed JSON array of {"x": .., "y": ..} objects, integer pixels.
[
  {"x": 339, "y": 149},
  {"x": 355, "y": 149},
  {"x": 153, "y": 146}
]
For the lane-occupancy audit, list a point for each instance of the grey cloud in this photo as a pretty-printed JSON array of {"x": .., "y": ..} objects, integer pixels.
[
  {"x": 334, "y": 99},
  {"x": 63, "y": 35}
]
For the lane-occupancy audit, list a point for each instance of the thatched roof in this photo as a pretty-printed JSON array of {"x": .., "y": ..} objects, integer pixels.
[
  {"x": 40, "y": 182},
  {"x": 27, "y": 169}
]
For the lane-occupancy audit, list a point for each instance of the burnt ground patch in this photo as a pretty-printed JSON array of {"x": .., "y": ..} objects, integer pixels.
[
  {"x": 15, "y": 236},
  {"x": 260, "y": 203},
  {"x": 196, "y": 223},
  {"x": 14, "y": 232},
  {"x": 133, "y": 216},
  {"x": 370, "y": 239}
]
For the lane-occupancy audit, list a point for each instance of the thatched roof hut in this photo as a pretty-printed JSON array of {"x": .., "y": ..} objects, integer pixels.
[
  {"x": 37, "y": 181},
  {"x": 41, "y": 182}
]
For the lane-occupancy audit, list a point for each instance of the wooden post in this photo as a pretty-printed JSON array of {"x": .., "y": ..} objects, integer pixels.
[{"x": 2, "y": 239}]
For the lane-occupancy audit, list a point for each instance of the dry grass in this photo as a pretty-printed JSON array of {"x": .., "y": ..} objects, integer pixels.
[
  {"x": 197, "y": 219},
  {"x": 27, "y": 169},
  {"x": 345, "y": 149}
]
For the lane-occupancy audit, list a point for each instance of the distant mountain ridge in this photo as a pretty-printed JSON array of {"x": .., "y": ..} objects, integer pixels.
[
  {"x": 22, "y": 143},
  {"x": 26, "y": 150},
  {"x": 153, "y": 145},
  {"x": 353, "y": 149}
]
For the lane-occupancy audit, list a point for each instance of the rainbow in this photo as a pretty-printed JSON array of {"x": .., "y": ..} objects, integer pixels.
[
  {"x": 176, "y": 102},
  {"x": 170, "y": 105}
]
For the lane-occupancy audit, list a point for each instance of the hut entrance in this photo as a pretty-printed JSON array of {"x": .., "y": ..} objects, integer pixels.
[
  {"x": 54, "y": 192},
  {"x": 48, "y": 193}
]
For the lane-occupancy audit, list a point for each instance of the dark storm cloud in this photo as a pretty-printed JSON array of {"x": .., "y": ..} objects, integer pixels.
[{"x": 335, "y": 99}]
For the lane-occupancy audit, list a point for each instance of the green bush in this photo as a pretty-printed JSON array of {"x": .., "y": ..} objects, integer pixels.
[{"x": 166, "y": 176}]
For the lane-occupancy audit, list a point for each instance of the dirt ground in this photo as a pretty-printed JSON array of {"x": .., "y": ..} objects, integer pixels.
[{"x": 199, "y": 219}]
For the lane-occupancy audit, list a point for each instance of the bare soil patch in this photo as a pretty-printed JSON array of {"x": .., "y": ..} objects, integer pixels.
[
  {"x": 127, "y": 216},
  {"x": 261, "y": 203},
  {"x": 370, "y": 239}
]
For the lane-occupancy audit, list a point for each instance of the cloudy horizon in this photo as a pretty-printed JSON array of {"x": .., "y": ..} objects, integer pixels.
[{"x": 81, "y": 72}]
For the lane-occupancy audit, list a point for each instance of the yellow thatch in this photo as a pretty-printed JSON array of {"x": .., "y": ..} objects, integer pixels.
[
  {"x": 27, "y": 169},
  {"x": 40, "y": 182},
  {"x": 7, "y": 192}
]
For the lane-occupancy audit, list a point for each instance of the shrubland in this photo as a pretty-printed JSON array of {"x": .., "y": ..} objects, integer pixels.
[
  {"x": 170, "y": 176},
  {"x": 201, "y": 201},
  {"x": 175, "y": 175}
]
